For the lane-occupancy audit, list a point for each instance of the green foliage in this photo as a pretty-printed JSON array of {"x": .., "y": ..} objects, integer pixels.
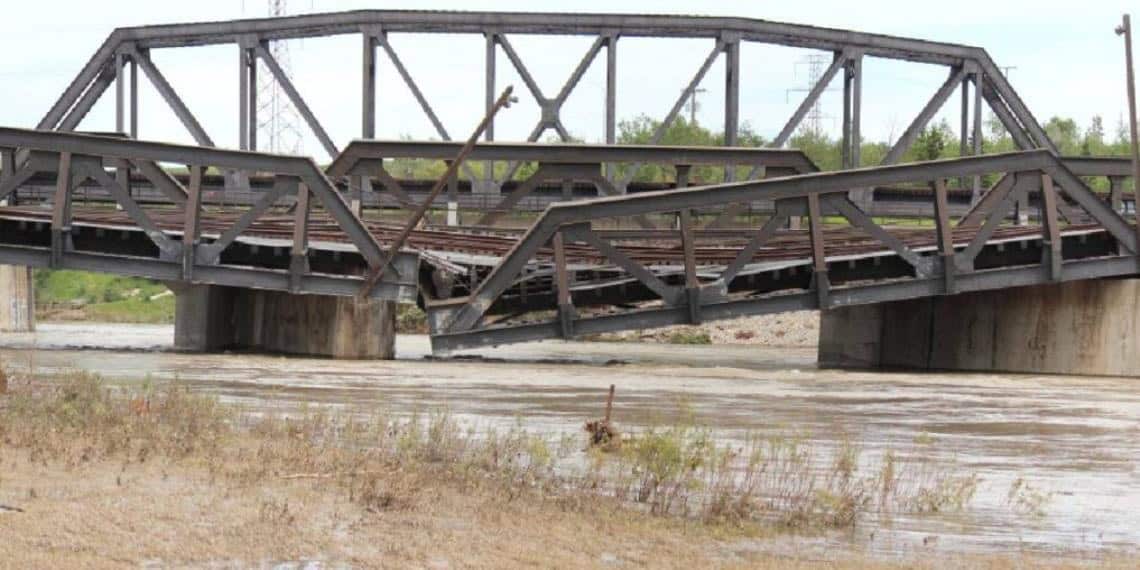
[
  {"x": 681, "y": 132},
  {"x": 694, "y": 336},
  {"x": 108, "y": 298},
  {"x": 65, "y": 286},
  {"x": 932, "y": 143}
]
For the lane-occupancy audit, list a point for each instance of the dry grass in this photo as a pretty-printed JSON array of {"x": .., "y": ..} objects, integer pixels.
[{"x": 109, "y": 478}]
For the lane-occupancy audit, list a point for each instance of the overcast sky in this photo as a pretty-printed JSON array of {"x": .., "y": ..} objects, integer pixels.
[{"x": 1065, "y": 62}]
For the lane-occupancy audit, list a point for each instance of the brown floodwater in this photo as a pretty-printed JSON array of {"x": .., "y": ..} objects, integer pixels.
[{"x": 1074, "y": 439}]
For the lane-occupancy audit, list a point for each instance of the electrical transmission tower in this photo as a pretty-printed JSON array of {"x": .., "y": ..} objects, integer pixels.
[
  {"x": 816, "y": 64},
  {"x": 278, "y": 121}
]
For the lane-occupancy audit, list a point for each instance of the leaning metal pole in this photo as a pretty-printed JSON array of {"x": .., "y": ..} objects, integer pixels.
[
  {"x": 504, "y": 100},
  {"x": 1125, "y": 29}
]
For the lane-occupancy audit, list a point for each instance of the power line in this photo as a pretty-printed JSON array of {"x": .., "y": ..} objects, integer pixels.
[
  {"x": 816, "y": 64},
  {"x": 278, "y": 121}
]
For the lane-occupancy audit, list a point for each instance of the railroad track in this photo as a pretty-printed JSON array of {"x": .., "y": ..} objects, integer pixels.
[{"x": 662, "y": 247}]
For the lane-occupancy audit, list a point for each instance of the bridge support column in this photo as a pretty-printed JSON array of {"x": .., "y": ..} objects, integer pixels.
[
  {"x": 17, "y": 299},
  {"x": 1080, "y": 327},
  {"x": 210, "y": 318}
]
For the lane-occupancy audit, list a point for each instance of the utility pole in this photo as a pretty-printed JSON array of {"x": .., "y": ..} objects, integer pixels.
[
  {"x": 1125, "y": 29},
  {"x": 693, "y": 103}
]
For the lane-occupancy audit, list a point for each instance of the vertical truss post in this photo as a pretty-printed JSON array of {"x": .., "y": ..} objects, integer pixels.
[
  {"x": 251, "y": 62},
  {"x": 491, "y": 39},
  {"x": 865, "y": 196},
  {"x": 134, "y": 93},
  {"x": 1125, "y": 29},
  {"x": 683, "y": 175},
  {"x": 611, "y": 97},
  {"x": 731, "y": 99},
  {"x": 247, "y": 93},
  {"x": 692, "y": 285},
  {"x": 358, "y": 185},
  {"x": 61, "y": 211},
  {"x": 845, "y": 139},
  {"x": 247, "y": 105},
  {"x": 857, "y": 110},
  {"x": 368, "y": 86},
  {"x": 122, "y": 167},
  {"x": 190, "y": 223},
  {"x": 979, "y": 78},
  {"x": 945, "y": 236},
  {"x": 852, "y": 108},
  {"x": 120, "y": 93},
  {"x": 7, "y": 169},
  {"x": 243, "y": 97},
  {"x": 299, "y": 255},
  {"x": 819, "y": 281},
  {"x": 452, "y": 195},
  {"x": 562, "y": 281},
  {"x": 1115, "y": 188},
  {"x": 964, "y": 125},
  {"x": 1050, "y": 230}
]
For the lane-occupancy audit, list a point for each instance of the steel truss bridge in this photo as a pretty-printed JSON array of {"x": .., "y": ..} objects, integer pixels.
[{"x": 605, "y": 254}]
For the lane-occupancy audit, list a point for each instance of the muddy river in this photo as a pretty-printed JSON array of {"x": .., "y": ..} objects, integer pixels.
[{"x": 1076, "y": 440}]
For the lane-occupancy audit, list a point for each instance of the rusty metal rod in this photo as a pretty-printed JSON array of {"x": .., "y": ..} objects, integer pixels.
[{"x": 378, "y": 273}]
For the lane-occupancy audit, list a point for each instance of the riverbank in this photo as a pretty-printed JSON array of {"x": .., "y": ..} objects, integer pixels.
[{"x": 95, "y": 477}]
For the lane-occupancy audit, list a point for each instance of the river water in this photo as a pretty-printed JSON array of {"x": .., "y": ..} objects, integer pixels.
[{"x": 1076, "y": 440}]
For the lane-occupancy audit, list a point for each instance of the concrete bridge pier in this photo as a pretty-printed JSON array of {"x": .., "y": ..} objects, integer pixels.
[
  {"x": 211, "y": 318},
  {"x": 17, "y": 299},
  {"x": 1080, "y": 327}
]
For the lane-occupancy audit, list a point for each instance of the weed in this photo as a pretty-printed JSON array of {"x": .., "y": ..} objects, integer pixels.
[
  {"x": 383, "y": 463},
  {"x": 1026, "y": 499},
  {"x": 694, "y": 336}
]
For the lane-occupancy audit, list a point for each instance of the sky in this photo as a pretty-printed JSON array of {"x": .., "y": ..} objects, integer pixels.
[{"x": 1063, "y": 61}]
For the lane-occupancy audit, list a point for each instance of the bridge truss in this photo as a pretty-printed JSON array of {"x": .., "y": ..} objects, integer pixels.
[
  {"x": 606, "y": 253},
  {"x": 131, "y": 47}
]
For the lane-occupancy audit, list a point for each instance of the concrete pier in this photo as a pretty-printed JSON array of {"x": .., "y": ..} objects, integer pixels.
[
  {"x": 1082, "y": 327},
  {"x": 17, "y": 299},
  {"x": 210, "y": 318}
]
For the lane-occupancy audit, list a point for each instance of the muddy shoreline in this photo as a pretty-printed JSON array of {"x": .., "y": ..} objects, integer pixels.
[{"x": 1074, "y": 439}]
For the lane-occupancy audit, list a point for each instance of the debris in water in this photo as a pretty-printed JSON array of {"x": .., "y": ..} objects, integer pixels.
[{"x": 603, "y": 432}]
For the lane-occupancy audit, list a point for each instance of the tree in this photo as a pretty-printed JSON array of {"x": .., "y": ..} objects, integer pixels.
[
  {"x": 1093, "y": 143},
  {"x": 932, "y": 143},
  {"x": 1065, "y": 134},
  {"x": 681, "y": 132}
]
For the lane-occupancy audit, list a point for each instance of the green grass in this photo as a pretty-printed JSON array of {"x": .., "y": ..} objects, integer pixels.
[
  {"x": 690, "y": 337},
  {"x": 102, "y": 297},
  {"x": 142, "y": 310},
  {"x": 66, "y": 286}
]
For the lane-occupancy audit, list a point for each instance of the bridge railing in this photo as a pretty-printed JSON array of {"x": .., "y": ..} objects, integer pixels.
[
  {"x": 720, "y": 282},
  {"x": 176, "y": 247}
]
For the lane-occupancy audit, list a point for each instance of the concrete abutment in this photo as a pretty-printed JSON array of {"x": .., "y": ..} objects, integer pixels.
[
  {"x": 211, "y": 318},
  {"x": 17, "y": 299},
  {"x": 1080, "y": 327}
]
